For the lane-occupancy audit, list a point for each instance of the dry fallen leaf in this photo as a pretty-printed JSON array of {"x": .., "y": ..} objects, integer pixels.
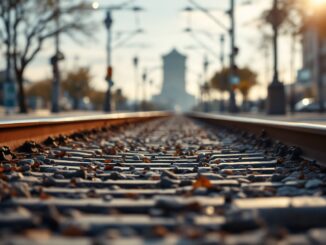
[
  {"x": 108, "y": 167},
  {"x": 147, "y": 160},
  {"x": 73, "y": 231},
  {"x": 160, "y": 231},
  {"x": 44, "y": 196},
  {"x": 111, "y": 151},
  {"x": 202, "y": 181},
  {"x": 60, "y": 154}
]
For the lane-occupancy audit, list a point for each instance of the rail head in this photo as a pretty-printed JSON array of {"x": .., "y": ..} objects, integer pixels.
[
  {"x": 310, "y": 138},
  {"x": 13, "y": 133}
]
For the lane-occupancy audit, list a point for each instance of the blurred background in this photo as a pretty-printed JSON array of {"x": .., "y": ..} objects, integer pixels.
[{"x": 247, "y": 57}]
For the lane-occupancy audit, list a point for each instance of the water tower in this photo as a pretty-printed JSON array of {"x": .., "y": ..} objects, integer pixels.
[{"x": 173, "y": 95}]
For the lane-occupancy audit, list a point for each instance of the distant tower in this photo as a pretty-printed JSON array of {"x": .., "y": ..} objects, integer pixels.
[{"x": 173, "y": 94}]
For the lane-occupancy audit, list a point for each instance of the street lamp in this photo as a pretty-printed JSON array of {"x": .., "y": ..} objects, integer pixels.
[
  {"x": 234, "y": 50},
  {"x": 222, "y": 41},
  {"x": 319, "y": 20},
  {"x": 148, "y": 82},
  {"x": 144, "y": 77},
  {"x": 58, "y": 56},
  {"x": 136, "y": 62},
  {"x": 276, "y": 93},
  {"x": 108, "y": 24}
]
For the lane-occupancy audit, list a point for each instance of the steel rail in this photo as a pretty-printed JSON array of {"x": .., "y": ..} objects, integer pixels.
[
  {"x": 16, "y": 132},
  {"x": 309, "y": 137}
]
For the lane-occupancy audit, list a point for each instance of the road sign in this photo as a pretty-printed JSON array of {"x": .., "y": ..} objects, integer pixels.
[
  {"x": 9, "y": 95},
  {"x": 234, "y": 80}
]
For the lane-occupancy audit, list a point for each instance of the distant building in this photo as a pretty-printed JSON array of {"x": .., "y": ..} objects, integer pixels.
[
  {"x": 307, "y": 84},
  {"x": 173, "y": 95}
]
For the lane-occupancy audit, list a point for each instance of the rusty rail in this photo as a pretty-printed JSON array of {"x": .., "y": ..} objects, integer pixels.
[
  {"x": 14, "y": 133},
  {"x": 310, "y": 138}
]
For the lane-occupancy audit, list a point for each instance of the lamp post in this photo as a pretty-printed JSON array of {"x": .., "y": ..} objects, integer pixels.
[
  {"x": 108, "y": 24},
  {"x": 205, "y": 88},
  {"x": 144, "y": 77},
  {"x": 276, "y": 104},
  {"x": 320, "y": 23},
  {"x": 136, "y": 62},
  {"x": 58, "y": 56},
  {"x": 222, "y": 41},
  {"x": 232, "y": 77},
  {"x": 148, "y": 82},
  {"x": 234, "y": 50},
  {"x": 320, "y": 82}
]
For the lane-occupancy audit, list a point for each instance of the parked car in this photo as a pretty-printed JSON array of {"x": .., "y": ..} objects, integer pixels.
[{"x": 307, "y": 105}]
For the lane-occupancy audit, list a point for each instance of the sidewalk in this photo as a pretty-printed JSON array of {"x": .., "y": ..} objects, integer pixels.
[
  {"x": 44, "y": 114},
  {"x": 315, "y": 118}
]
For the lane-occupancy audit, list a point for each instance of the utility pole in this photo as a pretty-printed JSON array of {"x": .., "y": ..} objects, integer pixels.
[
  {"x": 276, "y": 104},
  {"x": 108, "y": 24},
  {"x": 144, "y": 76},
  {"x": 9, "y": 96},
  {"x": 136, "y": 62},
  {"x": 222, "y": 42},
  {"x": 55, "y": 62},
  {"x": 232, "y": 78},
  {"x": 205, "y": 70},
  {"x": 321, "y": 99},
  {"x": 292, "y": 98}
]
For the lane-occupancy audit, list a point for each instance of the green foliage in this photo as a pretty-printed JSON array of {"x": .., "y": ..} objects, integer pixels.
[
  {"x": 220, "y": 80},
  {"x": 78, "y": 83},
  {"x": 26, "y": 24},
  {"x": 97, "y": 98},
  {"x": 248, "y": 79},
  {"x": 41, "y": 89}
]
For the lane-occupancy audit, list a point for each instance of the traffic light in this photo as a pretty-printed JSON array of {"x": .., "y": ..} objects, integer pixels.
[{"x": 109, "y": 72}]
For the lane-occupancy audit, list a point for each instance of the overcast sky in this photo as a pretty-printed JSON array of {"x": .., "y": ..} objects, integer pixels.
[{"x": 164, "y": 22}]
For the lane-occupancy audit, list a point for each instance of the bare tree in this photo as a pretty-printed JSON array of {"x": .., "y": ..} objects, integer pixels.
[{"x": 26, "y": 24}]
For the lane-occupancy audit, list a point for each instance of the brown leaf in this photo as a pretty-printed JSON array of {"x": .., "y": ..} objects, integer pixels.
[
  {"x": 202, "y": 181},
  {"x": 73, "y": 231},
  {"x": 108, "y": 167},
  {"x": 60, "y": 154},
  {"x": 280, "y": 160},
  {"x": 44, "y": 196},
  {"x": 147, "y": 160},
  {"x": 36, "y": 165},
  {"x": 217, "y": 161},
  {"x": 112, "y": 151},
  {"x": 227, "y": 171},
  {"x": 160, "y": 231}
]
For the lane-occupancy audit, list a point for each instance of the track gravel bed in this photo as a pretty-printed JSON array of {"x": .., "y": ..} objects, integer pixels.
[{"x": 166, "y": 181}]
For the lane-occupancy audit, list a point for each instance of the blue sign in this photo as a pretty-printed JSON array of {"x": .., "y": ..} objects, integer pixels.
[
  {"x": 234, "y": 80},
  {"x": 9, "y": 94}
]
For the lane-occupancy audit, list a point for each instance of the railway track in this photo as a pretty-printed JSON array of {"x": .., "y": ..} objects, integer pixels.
[{"x": 161, "y": 178}]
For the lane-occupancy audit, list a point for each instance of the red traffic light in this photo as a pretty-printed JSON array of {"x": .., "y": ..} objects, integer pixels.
[{"x": 109, "y": 72}]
